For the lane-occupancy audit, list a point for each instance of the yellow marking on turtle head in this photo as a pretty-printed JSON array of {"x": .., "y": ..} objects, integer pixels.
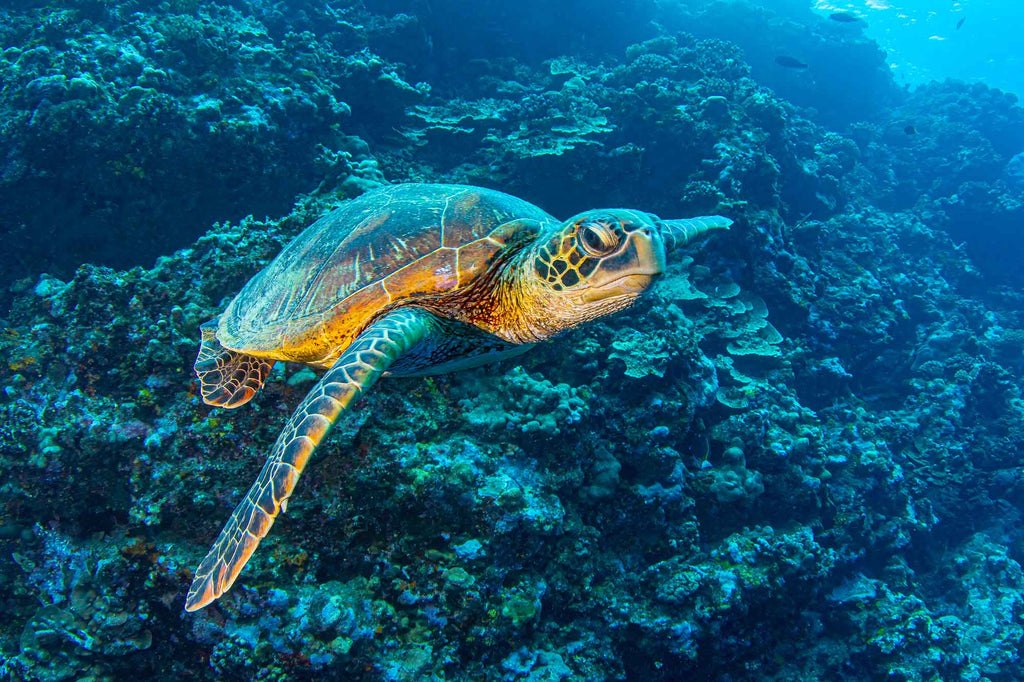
[{"x": 599, "y": 240}]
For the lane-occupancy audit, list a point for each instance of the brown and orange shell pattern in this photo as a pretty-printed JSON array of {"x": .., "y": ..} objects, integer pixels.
[{"x": 396, "y": 244}]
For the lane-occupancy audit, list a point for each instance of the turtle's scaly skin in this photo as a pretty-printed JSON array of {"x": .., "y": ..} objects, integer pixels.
[{"x": 409, "y": 279}]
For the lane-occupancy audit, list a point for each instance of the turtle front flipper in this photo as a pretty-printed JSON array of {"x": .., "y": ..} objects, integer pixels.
[
  {"x": 356, "y": 370},
  {"x": 227, "y": 378},
  {"x": 677, "y": 233}
]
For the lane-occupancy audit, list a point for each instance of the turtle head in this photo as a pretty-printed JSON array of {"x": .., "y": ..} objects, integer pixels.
[{"x": 594, "y": 264}]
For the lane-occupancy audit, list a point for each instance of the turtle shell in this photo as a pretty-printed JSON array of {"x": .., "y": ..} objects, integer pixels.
[{"x": 394, "y": 245}]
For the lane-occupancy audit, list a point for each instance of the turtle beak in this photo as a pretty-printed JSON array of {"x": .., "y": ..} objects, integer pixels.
[
  {"x": 629, "y": 271},
  {"x": 630, "y": 285},
  {"x": 649, "y": 251}
]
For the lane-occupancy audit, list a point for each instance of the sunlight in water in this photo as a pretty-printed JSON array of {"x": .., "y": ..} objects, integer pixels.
[{"x": 925, "y": 40}]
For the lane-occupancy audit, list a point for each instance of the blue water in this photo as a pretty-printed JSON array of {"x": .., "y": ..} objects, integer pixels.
[
  {"x": 923, "y": 42},
  {"x": 790, "y": 448}
]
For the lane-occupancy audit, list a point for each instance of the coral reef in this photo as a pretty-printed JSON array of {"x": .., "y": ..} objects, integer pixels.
[
  {"x": 796, "y": 458},
  {"x": 123, "y": 115}
]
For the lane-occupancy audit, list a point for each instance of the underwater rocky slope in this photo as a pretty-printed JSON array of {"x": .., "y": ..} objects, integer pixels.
[{"x": 799, "y": 458}]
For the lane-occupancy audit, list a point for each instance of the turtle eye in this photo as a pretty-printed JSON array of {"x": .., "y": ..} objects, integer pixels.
[{"x": 597, "y": 238}]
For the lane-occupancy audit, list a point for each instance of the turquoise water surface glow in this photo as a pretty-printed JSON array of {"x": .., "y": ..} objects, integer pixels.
[{"x": 923, "y": 42}]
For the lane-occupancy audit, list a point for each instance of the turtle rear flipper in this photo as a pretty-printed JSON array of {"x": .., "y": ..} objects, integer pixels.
[{"x": 227, "y": 378}]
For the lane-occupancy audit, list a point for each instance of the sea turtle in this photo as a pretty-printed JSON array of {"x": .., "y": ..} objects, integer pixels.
[{"x": 409, "y": 279}]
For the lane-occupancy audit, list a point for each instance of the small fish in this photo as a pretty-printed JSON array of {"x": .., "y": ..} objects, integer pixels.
[
  {"x": 910, "y": 130},
  {"x": 960, "y": 23},
  {"x": 843, "y": 18},
  {"x": 789, "y": 62}
]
